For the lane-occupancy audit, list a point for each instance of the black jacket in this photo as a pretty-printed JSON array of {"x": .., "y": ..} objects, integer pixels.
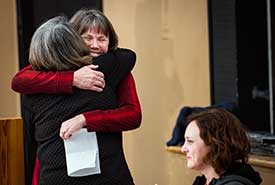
[
  {"x": 238, "y": 174},
  {"x": 50, "y": 110}
]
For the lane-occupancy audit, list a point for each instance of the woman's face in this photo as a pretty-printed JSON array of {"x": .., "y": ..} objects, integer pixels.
[
  {"x": 97, "y": 42},
  {"x": 194, "y": 147}
]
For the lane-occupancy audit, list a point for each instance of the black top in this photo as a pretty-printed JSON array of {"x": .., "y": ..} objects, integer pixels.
[
  {"x": 237, "y": 174},
  {"x": 50, "y": 110}
]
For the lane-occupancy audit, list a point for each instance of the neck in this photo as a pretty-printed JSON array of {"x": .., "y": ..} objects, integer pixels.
[{"x": 209, "y": 174}]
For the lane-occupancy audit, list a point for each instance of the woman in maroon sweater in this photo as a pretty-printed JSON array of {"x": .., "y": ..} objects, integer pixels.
[
  {"x": 56, "y": 46},
  {"x": 99, "y": 35}
]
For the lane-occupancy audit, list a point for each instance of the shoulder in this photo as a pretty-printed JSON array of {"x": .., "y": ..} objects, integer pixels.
[
  {"x": 124, "y": 52},
  {"x": 234, "y": 180},
  {"x": 200, "y": 180}
]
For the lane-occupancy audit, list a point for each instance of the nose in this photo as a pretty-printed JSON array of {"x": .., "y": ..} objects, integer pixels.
[
  {"x": 94, "y": 44},
  {"x": 184, "y": 148}
]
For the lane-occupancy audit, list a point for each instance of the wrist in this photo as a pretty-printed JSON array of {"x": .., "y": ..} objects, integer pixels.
[
  {"x": 82, "y": 120},
  {"x": 74, "y": 81}
]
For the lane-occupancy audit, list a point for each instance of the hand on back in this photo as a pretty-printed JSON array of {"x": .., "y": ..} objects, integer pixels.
[{"x": 89, "y": 79}]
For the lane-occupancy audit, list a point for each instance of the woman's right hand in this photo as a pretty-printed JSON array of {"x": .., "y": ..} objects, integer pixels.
[
  {"x": 88, "y": 78},
  {"x": 70, "y": 126}
]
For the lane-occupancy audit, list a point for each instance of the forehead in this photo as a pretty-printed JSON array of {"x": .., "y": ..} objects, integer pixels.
[
  {"x": 192, "y": 130},
  {"x": 95, "y": 31}
]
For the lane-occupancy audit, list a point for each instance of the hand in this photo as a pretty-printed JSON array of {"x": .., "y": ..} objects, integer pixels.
[
  {"x": 71, "y": 126},
  {"x": 88, "y": 78}
]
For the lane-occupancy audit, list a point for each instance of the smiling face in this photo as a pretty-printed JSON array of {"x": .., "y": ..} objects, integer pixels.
[
  {"x": 195, "y": 148},
  {"x": 97, "y": 42}
]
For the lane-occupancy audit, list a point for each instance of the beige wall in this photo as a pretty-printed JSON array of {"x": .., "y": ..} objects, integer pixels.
[
  {"x": 267, "y": 174},
  {"x": 9, "y": 59},
  {"x": 170, "y": 38}
]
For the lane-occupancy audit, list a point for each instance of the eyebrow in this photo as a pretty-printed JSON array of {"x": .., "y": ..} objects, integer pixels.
[{"x": 100, "y": 34}]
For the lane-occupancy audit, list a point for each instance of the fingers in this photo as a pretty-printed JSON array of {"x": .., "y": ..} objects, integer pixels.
[
  {"x": 92, "y": 66},
  {"x": 99, "y": 74},
  {"x": 97, "y": 89},
  {"x": 88, "y": 78},
  {"x": 96, "y": 84},
  {"x": 65, "y": 133},
  {"x": 100, "y": 82},
  {"x": 71, "y": 126}
]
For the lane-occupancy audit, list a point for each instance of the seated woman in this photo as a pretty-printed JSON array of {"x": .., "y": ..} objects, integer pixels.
[
  {"x": 57, "y": 46},
  {"x": 217, "y": 146}
]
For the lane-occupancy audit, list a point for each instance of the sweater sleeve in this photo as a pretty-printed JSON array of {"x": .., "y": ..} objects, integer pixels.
[
  {"x": 126, "y": 117},
  {"x": 29, "y": 81},
  {"x": 114, "y": 65}
]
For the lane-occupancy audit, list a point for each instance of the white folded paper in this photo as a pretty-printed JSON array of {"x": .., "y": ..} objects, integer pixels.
[{"x": 82, "y": 156}]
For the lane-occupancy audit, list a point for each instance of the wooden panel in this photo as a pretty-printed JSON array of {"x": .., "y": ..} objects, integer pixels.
[
  {"x": 11, "y": 152},
  {"x": 10, "y": 103},
  {"x": 267, "y": 174}
]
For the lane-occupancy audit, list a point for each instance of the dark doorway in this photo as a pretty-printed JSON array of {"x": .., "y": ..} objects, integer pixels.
[
  {"x": 253, "y": 68},
  {"x": 241, "y": 59}
]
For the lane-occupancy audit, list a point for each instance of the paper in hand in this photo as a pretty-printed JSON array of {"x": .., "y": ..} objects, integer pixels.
[{"x": 82, "y": 156}]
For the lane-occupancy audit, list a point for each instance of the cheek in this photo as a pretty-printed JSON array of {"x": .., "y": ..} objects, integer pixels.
[
  {"x": 104, "y": 47},
  {"x": 199, "y": 155},
  {"x": 196, "y": 157}
]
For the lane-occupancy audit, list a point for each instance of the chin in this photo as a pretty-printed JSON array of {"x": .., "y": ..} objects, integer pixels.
[
  {"x": 95, "y": 54},
  {"x": 190, "y": 166}
]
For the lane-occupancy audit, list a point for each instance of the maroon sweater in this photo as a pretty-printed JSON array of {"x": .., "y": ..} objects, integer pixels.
[{"x": 126, "y": 116}]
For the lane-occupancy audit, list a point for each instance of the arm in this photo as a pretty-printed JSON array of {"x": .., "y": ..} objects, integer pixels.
[
  {"x": 126, "y": 117},
  {"x": 28, "y": 81}
]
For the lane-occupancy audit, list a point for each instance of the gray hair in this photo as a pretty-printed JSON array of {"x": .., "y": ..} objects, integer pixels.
[{"x": 56, "y": 46}]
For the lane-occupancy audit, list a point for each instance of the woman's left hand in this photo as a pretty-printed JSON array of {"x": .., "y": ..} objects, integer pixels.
[{"x": 71, "y": 126}]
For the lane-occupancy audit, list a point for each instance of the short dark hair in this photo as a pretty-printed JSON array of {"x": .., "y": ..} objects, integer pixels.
[
  {"x": 85, "y": 19},
  {"x": 223, "y": 133},
  {"x": 55, "y": 45}
]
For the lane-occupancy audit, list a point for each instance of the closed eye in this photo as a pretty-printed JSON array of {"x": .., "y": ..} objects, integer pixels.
[
  {"x": 102, "y": 39},
  {"x": 87, "y": 38}
]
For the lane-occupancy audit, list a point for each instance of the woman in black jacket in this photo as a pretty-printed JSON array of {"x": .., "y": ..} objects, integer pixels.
[{"x": 217, "y": 146}]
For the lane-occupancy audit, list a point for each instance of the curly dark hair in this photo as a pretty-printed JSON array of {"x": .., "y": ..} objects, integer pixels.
[{"x": 223, "y": 133}]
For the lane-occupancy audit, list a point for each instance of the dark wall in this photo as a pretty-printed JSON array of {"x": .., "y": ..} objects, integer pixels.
[
  {"x": 239, "y": 59},
  {"x": 252, "y": 46},
  {"x": 33, "y": 13},
  {"x": 223, "y": 55}
]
